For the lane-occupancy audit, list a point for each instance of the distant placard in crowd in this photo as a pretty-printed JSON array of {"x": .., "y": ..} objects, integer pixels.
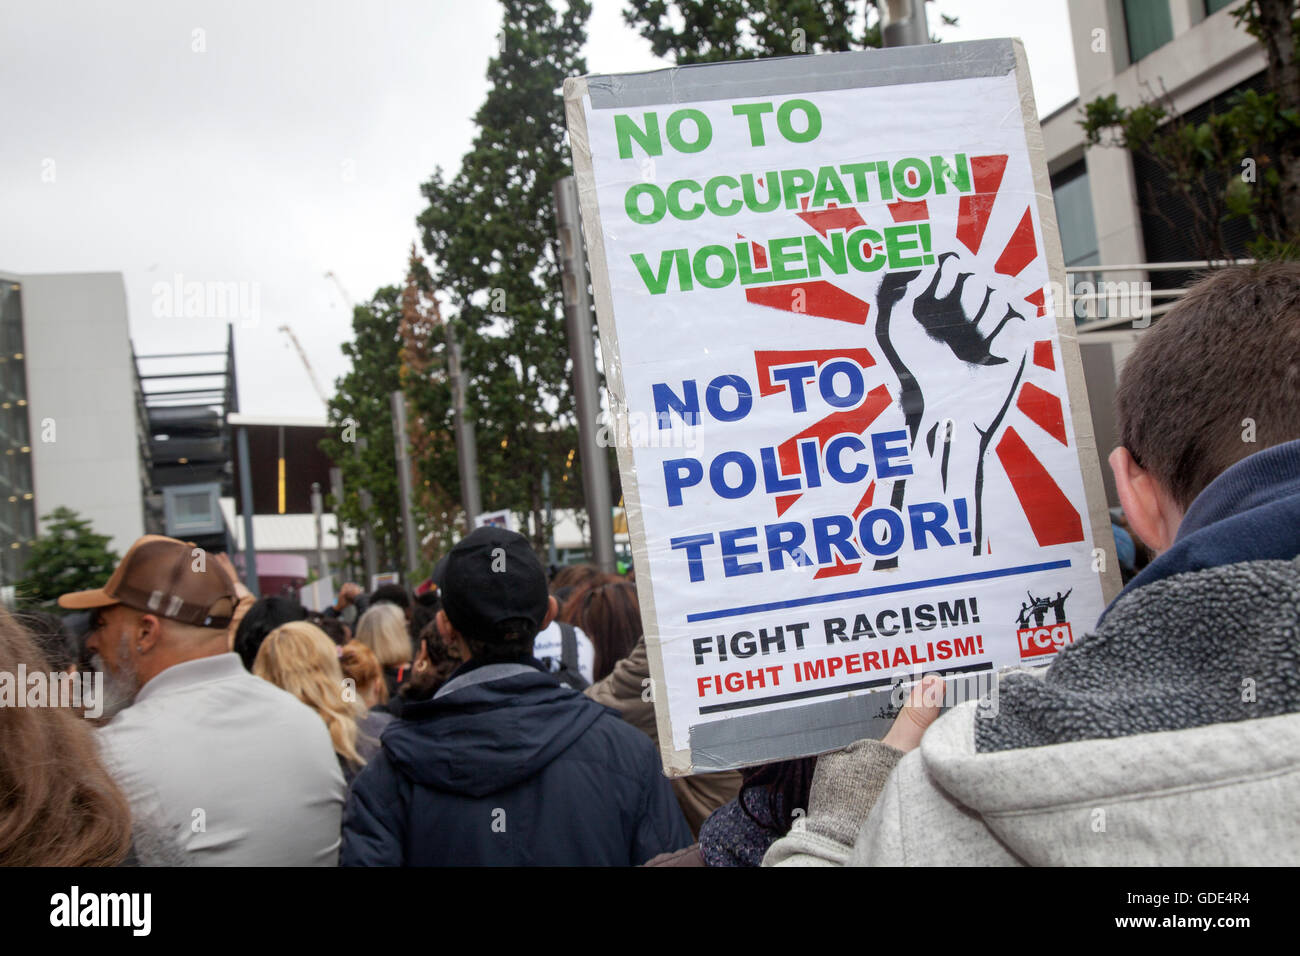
[
  {"x": 496, "y": 519},
  {"x": 384, "y": 577},
  {"x": 318, "y": 595},
  {"x": 829, "y": 277}
]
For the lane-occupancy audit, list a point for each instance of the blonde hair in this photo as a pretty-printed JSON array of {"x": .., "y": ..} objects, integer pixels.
[
  {"x": 299, "y": 657},
  {"x": 359, "y": 663},
  {"x": 383, "y": 630}
]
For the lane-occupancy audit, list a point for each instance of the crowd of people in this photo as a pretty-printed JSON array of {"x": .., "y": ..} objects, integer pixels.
[{"x": 499, "y": 715}]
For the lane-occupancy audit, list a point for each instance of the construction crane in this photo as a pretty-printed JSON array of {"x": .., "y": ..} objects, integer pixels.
[
  {"x": 311, "y": 372},
  {"x": 342, "y": 291}
]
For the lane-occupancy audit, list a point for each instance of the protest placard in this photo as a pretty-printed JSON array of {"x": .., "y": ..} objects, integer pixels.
[
  {"x": 832, "y": 285},
  {"x": 496, "y": 519},
  {"x": 383, "y": 578}
]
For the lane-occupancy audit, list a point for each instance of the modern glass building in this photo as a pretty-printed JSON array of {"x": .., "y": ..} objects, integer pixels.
[
  {"x": 17, "y": 495},
  {"x": 70, "y": 436}
]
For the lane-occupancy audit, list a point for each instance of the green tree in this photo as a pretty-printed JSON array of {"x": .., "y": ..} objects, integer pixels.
[
  {"x": 1240, "y": 162},
  {"x": 490, "y": 235},
  {"x": 68, "y": 556},
  {"x": 1276, "y": 26},
  {"x": 360, "y": 415},
  {"x": 705, "y": 31},
  {"x": 430, "y": 422}
]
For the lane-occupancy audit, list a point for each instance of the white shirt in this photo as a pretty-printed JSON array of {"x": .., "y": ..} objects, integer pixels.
[
  {"x": 235, "y": 770},
  {"x": 547, "y": 647}
]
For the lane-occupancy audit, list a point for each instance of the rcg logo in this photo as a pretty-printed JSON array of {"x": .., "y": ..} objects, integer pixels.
[{"x": 1036, "y": 636}]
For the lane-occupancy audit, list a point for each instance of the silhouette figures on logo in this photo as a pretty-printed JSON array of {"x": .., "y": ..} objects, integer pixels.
[{"x": 1038, "y": 607}]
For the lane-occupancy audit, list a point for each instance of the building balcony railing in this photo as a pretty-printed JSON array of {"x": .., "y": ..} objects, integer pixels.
[{"x": 1113, "y": 303}]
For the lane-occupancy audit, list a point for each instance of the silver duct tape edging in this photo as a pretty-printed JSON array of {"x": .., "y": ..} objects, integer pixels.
[
  {"x": 788, "y": 75},
  {"x": 744, "y": 741}
]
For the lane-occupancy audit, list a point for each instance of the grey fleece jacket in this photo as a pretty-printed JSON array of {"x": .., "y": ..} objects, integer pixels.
[{"x": 1169, "y": 736}]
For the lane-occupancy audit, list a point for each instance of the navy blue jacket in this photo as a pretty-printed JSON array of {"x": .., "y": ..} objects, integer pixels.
[{"x": 504, "y": 766}]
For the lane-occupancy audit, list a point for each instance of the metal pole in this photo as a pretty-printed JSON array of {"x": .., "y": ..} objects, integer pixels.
[
  {"x": 404, "y": 484},
  {"x": 317, "y": 509},
  {"x": 336, "y": 492},
  {"x": 902, "y": 22},
  {"x": 368, "y": 555},
  {"x": 582, "y": 350},
  {"x": 246, "y": 505},
  {"x": 551, "y": 557},
  {"x": 466, "y": 449}
]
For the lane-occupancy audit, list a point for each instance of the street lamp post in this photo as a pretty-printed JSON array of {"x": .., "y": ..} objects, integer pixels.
[
  {"x": 902, "y": 22},
  {"x": 582, "y": 350}
]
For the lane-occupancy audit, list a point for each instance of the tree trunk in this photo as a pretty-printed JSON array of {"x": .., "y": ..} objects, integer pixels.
[{"x": 539, "y": 518}]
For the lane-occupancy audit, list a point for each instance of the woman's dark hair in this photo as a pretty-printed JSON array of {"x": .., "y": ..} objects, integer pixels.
[
  {"x": 424, "y": 682},
  {"x": 391, "y": 594},
  {"x": 335, "y": 628},
  {"x": 422, "y": 616},
  {"x": 262, "y": 618},
  {"x": 574, "y": 579},
  {"x": 608, "y": 613},
  {"x": 787, "y": 785}
]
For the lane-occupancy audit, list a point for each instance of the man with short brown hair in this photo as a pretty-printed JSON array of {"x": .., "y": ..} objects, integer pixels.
[
  {"x": 230, "y": 767},
  {"x": 1200, "y": 393},
  {"x": 1170, "y": 734}
]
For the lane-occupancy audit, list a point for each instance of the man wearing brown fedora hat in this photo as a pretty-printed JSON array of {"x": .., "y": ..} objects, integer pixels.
[{"x": 234, "y": 769}]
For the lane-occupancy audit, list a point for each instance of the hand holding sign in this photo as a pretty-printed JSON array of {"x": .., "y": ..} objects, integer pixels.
[{"x": 922, "y": 709}]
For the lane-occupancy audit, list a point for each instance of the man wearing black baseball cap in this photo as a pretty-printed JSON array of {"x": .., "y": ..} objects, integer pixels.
[{"x": 506, "y": 766}]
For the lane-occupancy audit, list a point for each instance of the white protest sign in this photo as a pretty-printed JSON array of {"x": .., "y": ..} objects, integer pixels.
[
  {"x": 318, "y": 595},
  {"x": 382, "y": 578},
  {"x": 830, "y": 279}
]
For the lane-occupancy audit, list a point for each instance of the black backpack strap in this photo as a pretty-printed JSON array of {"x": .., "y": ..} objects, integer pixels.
[
  {"x": 568, "y": 646},
  {"x": 570, "y": 673}
]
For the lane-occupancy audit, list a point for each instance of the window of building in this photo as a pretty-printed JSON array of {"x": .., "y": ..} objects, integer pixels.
[
  {"x": 1150, "y": 26},
  {"x": 1073, "y": 199},
  {"x": 192, "y": 509},
  {"x": 1214, "y": 6},
  {"x": 1169, "y": 227}
]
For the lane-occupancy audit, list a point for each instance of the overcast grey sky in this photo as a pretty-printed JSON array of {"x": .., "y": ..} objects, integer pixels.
[{"x": 268, "y": 143}]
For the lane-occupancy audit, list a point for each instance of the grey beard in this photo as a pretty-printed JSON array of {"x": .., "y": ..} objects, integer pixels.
[{"x": 119, "y": 689}]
